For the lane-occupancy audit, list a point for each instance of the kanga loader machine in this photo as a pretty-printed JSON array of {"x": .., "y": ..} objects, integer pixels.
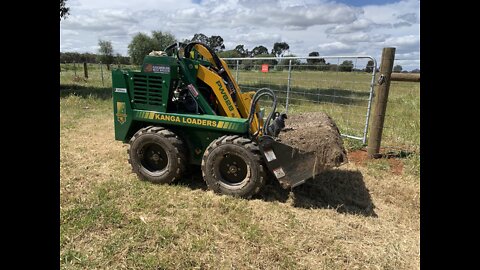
[{"x": 184, "y": 108}]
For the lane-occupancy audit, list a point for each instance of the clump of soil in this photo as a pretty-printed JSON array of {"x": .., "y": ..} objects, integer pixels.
[
  {"x": 360, "y": 157},
  {"x": 315, "y": 132}
]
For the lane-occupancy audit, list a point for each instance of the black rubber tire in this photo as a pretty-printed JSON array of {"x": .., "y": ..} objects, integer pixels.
[
  {"x": 169, "y": 149},
  {"x": 233, "y": 148}
]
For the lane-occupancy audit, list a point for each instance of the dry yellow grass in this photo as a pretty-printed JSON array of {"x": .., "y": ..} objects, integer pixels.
[{"x": 356, "y": 217}]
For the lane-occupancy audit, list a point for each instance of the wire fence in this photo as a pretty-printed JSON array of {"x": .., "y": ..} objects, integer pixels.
[
  {"x": 340, "y": 86},
  {"x": 98, "y": 74}
]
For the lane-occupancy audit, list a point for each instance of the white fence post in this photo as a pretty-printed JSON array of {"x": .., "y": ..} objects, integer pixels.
[{"x": 288, "y": 84}]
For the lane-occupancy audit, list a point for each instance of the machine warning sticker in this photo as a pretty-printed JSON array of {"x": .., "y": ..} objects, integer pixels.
[
  {"x": 161, "y": 69},
  {"x": 121, "y": 112},
  {"x": 121, "y": 90},
  {"x": 270, "y": 155},
  {"x": 279, "y": 173},
  {"x": 156, "y": 69},
  {"x": 192, "y": 90}
]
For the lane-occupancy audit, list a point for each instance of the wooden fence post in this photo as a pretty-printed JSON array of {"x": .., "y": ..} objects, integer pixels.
[
  {"x": 381, "y": 98},
  {"x": 85, "y": 70},
  {"x": 101, "y": 71}
]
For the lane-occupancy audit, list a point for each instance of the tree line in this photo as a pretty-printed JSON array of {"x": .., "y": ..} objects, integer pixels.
[
  {"x": 142, "y": 44},
  {"x": 75, "y": 57}
]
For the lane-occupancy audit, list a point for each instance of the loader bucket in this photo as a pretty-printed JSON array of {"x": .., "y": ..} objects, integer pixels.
[
  {"x": 291, "y": 166},
  {"x": 303, "y": 153}
]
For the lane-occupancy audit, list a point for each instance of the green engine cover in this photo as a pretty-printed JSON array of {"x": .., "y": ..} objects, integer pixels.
[{"x": 151, "y": 88}]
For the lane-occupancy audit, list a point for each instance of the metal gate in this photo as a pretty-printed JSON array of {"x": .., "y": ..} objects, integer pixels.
[{"x": 341, "y": 86}]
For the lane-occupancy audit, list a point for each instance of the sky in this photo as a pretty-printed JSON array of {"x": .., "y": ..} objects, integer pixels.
[{"x": 332, "y": 28}]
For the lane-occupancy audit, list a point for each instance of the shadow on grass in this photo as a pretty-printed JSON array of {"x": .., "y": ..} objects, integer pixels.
[
  {"x": 85, "y": 91},
  {"x": 342, "y": 190},
  {"x": 193, "y": 179}
]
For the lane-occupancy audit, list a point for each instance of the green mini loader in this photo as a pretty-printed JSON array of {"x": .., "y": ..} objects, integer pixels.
[{"x": 184, "y": 108}]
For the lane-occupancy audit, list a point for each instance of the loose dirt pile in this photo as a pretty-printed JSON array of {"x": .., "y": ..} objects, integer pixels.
[{"x": 315, "y": 132}]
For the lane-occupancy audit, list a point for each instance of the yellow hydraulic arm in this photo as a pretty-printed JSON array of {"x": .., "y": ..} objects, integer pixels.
[
  {"x": 227, "y": 106},
  {"x": 239, "y": 108}
]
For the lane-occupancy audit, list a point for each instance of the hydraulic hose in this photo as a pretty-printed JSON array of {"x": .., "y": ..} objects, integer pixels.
[
  {"x": 175, "y": 45},
  {"x": 256, "y": 97}
]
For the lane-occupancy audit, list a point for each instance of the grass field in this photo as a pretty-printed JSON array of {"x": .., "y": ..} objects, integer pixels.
[{"x": 363, "y": 215}]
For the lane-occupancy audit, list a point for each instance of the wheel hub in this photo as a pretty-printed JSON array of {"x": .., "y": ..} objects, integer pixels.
[
  {"x": 153, "y": 157},
  {"x": 233, "y": 168}
]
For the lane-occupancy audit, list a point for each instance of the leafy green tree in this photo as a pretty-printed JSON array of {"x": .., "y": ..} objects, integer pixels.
[
  {"x": 105, "y": 52},
  {"x": 142, "y": 44},
  {"x": 397, "y": 68},
  {"x": 199, "y": 37},
  {"x": 247, "y": 65},
  {"x": 216, "y": 43},
  {"x": 279, "y": 48},
  {"x": 295, "y": 62},
  {"x": 64, "y": 10},
  {"x": 70, "y": 57},
  {"x": 229, "y": 54},
  {"x": 284, "y": 63},
  {"x": 333, "y": 67},
  {"x": 121, "y": 60},
  {"x": 240, "y": 49},
  {"x": 88, "y": 57},
  {"x": 162, "y": 40},
  {"x": 259, "y": 50},
  {"x": 369, "y": 67},
  {"x": 315, "y": 61},
  {"x": 346, "y": 66}
]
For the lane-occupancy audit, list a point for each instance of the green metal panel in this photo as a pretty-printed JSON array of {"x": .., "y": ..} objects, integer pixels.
[
  {"x": 149, "y": 91},
  {"x": 122, "y": 111}
]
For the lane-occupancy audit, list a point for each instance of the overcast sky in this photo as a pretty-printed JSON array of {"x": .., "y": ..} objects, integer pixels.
[{"x": 341, "y": 27}]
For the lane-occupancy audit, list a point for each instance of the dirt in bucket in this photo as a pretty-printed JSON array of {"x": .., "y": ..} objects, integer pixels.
[{"x": 315, "y": 132}]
